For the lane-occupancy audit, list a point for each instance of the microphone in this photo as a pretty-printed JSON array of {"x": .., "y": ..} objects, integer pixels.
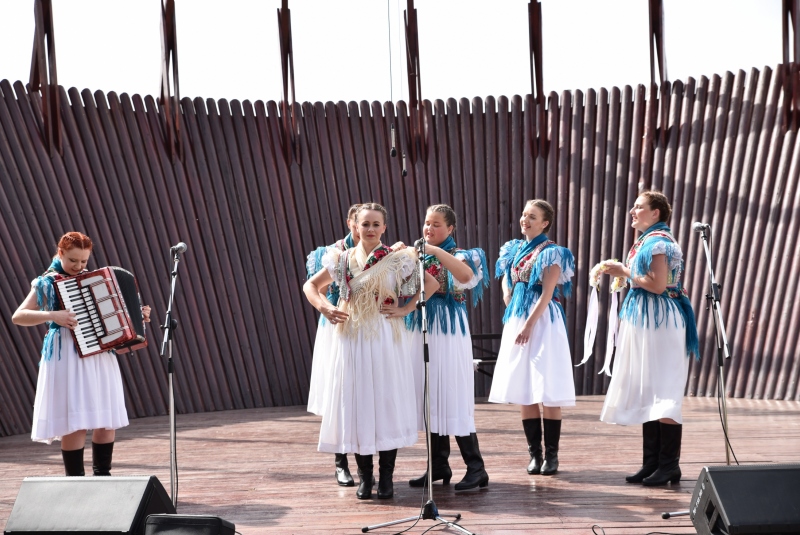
[
  {"x": 179, "y": 248},
  {"x": 700, "y": 227},
  {"x": 419, "y": 243}
]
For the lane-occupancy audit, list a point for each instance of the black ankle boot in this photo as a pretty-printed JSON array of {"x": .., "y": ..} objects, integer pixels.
[
  {"x": 533, "y": 432},
  {"x": 440, "y": 453},
  {"x": 669, "y": 454},
  {"x": 73, "y": 462},
  {"x": 476, "y": 475},
  {"x": 552, "y": 434},
  {"x": 365, "y": 479},
  {"x": 651, "y": 441},
  {"x": 101, "y": 458},
  {"x": 343, "y": 477},
  {"x": 386, "y": 461}
]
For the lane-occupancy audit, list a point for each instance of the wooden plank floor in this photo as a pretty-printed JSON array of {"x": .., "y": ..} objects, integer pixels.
[{"x": 259, "y": 469}]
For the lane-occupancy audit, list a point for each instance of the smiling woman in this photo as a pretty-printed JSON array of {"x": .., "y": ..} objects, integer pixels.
[
  {"x": 534, "y": 365},
  {"x": 657, "y": 334},
  {"x": 369, "y": 399}
]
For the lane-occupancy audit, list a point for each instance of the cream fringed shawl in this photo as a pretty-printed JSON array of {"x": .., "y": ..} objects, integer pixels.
[{"x": 392, "y": 277}]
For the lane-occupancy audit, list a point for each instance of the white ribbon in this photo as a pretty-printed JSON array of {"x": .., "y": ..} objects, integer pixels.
[
  {"x": 591, "y": 325},
  {"x": 611, "y": 337}
]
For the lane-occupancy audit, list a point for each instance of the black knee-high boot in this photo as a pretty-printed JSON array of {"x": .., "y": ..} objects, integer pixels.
[
  {"x": 101, "y": 458},
  {"x": 386, "y": 461},
  {"x": 343, "y": 476},
  {"x": 440, "y": 453},
  {"x": 651, "y": 443},
  {"x": 73, "y": 462},
  {"x": 552, "y": 434},
  {"x": 365, "y": 478},
  {"x": 669, "y": 454},
  {"x": 476, "y": 475},
  {"x": 533, "y": 432}
]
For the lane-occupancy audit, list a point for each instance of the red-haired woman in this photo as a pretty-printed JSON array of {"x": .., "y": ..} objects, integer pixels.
[
  {"x": 370, "y": 403},
  {"x": 73, "y": 394}
]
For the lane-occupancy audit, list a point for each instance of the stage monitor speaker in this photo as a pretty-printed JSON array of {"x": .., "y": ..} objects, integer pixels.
[
  {"x": 744, "y": 500},
  {"x": 87, "y": 504},
  {"x": 188, "y": 525}
]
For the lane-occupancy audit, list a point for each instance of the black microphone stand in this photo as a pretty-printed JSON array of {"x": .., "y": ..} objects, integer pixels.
[
  {"x": 429, "y": 510},
  {"x": 169, "y": 327},
  {"x": 723, "y": 351}
]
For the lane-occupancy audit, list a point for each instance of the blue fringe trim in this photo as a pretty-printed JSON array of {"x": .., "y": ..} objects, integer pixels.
[
  {"x": 507, "y": 253},
  {"x": 661, "y": 309},
  {"x": 477, "y": 291},
  {"x": 441, "y": 308},
  {"x": 524, "y": 297},
  {"x": 551, "y": 256},
  {"x": 314, "y": 261},
  {"x": 644, "y": 256},
  {"x": 46, "y": 300}
]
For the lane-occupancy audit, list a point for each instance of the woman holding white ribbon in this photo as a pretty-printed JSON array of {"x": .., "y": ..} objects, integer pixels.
[
  {"x": 657, "y": 333},
  {"x": 534, "y": 364},
  {"x": 369, "y": 404}
]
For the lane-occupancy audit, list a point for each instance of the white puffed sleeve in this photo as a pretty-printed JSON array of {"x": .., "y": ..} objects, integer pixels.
[
  {"x": 329, "y": 261},
  {"x": 477, "y": 277},
  {"x": 672, "y": 251}
]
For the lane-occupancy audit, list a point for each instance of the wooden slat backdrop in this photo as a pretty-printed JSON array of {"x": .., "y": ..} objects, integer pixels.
[{"x": 718, "y": 147}]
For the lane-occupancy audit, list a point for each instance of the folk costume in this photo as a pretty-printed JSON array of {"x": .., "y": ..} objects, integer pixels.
[
  {"x": 540, "y": 371},
  {"x": 73, "y": 393},
  {"x": 320, "y": 363},
  {"x": 657, "y": 333},
  {"x": 452, "y": 378},
  {"x": 320, "y": 360},
  {"x": 369, "y": 406}
]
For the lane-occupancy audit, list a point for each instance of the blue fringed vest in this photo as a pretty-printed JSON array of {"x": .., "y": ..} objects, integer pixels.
[{"x": 646, "y": 309}]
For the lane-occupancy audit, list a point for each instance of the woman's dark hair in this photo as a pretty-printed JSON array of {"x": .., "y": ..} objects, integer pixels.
[
  {"x": 373, "y": 206},
  {"x": 447, "y": 212},
  {"x": 658, "y": 201}
]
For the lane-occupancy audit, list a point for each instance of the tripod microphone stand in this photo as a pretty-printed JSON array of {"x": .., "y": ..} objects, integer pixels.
[
  {"x": 429, "y": 510},
  {"x": 723, "y": 351},
  {"x": 169, "y": 327}
]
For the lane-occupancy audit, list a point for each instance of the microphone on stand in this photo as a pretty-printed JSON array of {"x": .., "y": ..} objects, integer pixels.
[
  {"x": 700, "y": 227},
  {"x": 419, "y": 244},
  {"x": 178, "y": 248}
]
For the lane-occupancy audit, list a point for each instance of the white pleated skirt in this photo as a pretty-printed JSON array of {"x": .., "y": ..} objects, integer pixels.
[
  {"x": 539, "y": 371},
  {"x": 320, "y": 367},
  {"x": 73, "y": 394},
  {"x": 648, "y": 377},
  {"x": 452, "y": 380},
  {"x": 370, "y": 404}
]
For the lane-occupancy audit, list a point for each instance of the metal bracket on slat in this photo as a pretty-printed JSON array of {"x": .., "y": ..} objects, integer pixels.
[
  {"x": 539, "y": 140},
  {"x": 791, "y": 56},
  {"x": 658, "y": 56},
  {"x": 170, "y": 92},
  {"x": 418, "y": 127},
  {"x": 44, "y": 74},
  {"x": 290, "y": 129}
]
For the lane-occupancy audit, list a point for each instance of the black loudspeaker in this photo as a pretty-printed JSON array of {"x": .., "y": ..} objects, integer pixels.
[
  {"x": 87, "y": 504},
  {"x": 188, "y": 525},
  {"x": 743, "y": 500}
]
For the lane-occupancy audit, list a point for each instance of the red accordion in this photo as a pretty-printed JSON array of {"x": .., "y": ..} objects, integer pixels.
[{"x": 108, "y": 308}]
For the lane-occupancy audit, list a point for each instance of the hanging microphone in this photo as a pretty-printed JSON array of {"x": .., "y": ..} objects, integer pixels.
[
  {"x": 405, "y": 173},
  {"x": 700, "y": 227},
  {"x": 393, "y": 153},
  {"x": 179, "y": 248}
]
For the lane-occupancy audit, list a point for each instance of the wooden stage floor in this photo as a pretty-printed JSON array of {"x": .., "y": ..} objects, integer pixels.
[{"x": 259, "y": 469}]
